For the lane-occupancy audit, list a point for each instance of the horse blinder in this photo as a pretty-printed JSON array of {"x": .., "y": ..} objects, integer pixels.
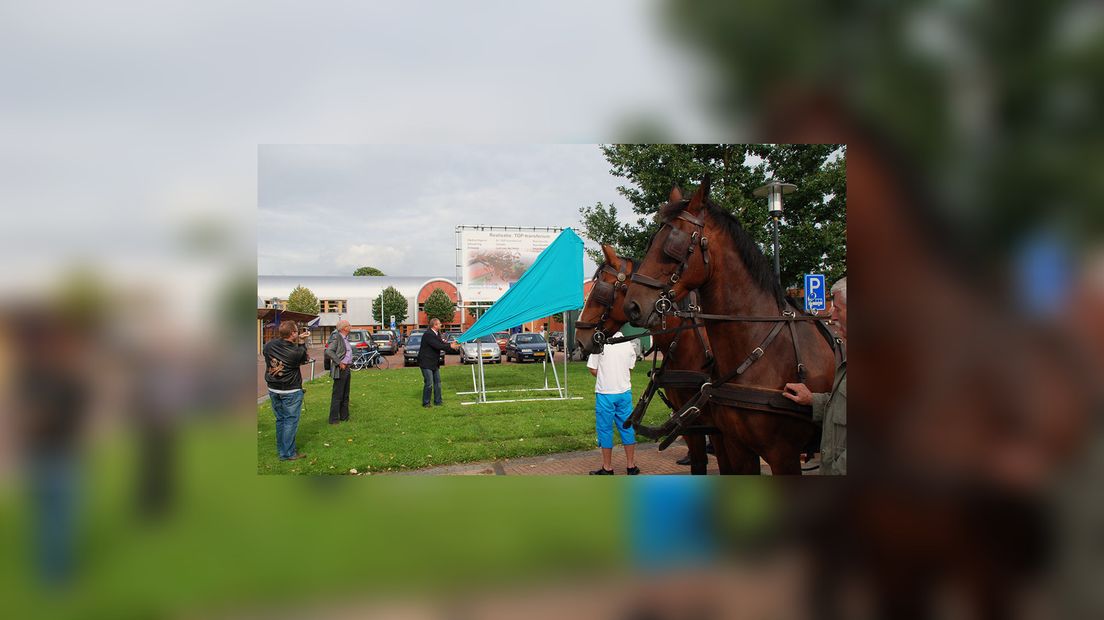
[
  {"x": 603, "y": 293},
  {"x": 677, "y": 245}
]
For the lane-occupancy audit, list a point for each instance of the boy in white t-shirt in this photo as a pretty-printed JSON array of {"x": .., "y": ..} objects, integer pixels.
[{"x": 613, "y": 402}]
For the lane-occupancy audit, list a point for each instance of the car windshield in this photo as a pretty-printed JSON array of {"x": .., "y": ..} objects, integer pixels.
[
  {"x": 414, "y": 340},
  {"x": 381, "y": 337},
  {"x": 487, "y": 338},
  {"x": 356, "y": 336},
  {"x": 529, "y": 338}
]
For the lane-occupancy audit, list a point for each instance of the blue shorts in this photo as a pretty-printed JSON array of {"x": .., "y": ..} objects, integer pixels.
[{"x": 611, "y": 411}]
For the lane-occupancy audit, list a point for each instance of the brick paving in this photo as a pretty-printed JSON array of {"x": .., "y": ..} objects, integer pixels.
[{"x": 648, "y": 458}]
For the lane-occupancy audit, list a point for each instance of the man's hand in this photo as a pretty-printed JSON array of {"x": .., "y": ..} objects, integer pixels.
[
  {"x": 799, "y": 393},
  {"x": 454, "y": 345},
  {"x": 343, "y": 366}
]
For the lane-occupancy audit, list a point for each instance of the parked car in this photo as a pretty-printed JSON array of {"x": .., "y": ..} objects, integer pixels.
[
  {"x": 526, "y": 347},
  {"x": 449, "y": 337},
  {"x": 556, "y": 339},
  {"x": 360, "y": 340},
  {"x": 486, "y": 346},
  {"x": 394, "y": 334},
  {"x": 502, "y": 338},
  {"x": 386, "y": 342},
  {"x": 410, "y": 351}
]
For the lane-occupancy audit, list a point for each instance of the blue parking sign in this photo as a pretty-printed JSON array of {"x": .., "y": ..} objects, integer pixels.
[{"x": 815, "y": 292}]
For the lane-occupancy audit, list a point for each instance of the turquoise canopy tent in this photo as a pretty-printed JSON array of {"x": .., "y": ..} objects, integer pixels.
[{"x": 553, "y": 283}]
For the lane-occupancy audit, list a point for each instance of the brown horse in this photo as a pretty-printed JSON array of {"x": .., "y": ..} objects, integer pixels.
[
  {"x": 700, "y": 247},
  {"x": 603, "y": 315}
]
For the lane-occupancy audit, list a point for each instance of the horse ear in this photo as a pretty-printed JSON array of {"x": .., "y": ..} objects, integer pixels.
[
  {"x": 676, "y": 195},
  {"x": 610, "y": 254},
  {"x": 700, "y": 195}
]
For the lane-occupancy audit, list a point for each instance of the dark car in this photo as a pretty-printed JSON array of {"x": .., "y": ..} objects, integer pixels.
[
  {"x": 410, "y": 351},
  {"x": 449, "y": 338},
  {"x": 386, "y": 343},
  {"x": 526, "y": 347},
  {"x": 502, "y": 338},
  {"x": 556, "y": 339}
]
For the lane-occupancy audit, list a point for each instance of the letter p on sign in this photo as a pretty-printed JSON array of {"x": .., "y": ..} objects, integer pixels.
[{"x": 814, "y": 292}]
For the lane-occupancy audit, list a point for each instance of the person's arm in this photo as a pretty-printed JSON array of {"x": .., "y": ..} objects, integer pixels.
[
  {"x": 435, "y": 342},
  {"x": 331, "y": 350},
  {"x": 592, "y": 363},
  {"x": 800, "y": 394}
]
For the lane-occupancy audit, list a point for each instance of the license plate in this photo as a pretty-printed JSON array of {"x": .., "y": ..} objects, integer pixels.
[{"x": 538, "y": 354}]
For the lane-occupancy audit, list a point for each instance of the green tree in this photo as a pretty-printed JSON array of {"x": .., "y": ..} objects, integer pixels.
[
  {"x": 813, "y": 234},
  {"x": 393, "y": 303},
  {"x": 302, "y": 300},
  {"x": 439, "y": 306},
  {"x": 368, "y": 271}
]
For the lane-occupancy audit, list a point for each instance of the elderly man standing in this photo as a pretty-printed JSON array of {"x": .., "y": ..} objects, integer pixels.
[
  {"x": 830, "y": 409},
  {"x": 340, "y": 355}
]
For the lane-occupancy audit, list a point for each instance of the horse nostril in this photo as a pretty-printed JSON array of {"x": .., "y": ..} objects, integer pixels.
[{"x": 633, "y": 311}]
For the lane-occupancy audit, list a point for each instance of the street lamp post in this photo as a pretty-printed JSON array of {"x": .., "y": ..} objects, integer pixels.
[
  {"x": 773, "y": 191},
  {"x": 276, "y": 306}
]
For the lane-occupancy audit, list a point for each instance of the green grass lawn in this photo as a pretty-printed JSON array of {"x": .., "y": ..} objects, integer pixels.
[{"x": 388, "y": 430}]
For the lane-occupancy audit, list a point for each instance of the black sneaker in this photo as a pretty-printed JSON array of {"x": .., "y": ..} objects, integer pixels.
[
  {"x": 684, "y": 460},
  {"x": 602, "y": 472},
  {"x": 709, "y": 449},
  {"x": 632, "y": 471}
]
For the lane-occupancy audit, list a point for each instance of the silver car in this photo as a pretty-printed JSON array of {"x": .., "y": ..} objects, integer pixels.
[{"x": 486, "y": 345}]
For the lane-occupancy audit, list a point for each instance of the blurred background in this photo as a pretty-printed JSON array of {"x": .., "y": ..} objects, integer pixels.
[{"x": 128, "y": 182}]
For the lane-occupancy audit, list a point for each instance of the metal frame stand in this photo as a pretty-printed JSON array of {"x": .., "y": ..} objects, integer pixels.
[{"x": 479, "y": 385}]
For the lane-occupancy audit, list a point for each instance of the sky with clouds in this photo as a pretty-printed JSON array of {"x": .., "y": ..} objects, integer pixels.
[{"x": 328, "y": 209}]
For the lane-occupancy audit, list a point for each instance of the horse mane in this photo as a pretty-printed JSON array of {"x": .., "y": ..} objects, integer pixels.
[{"x": 759, "y": 268}]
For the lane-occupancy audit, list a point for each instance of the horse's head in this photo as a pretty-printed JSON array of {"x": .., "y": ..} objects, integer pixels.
[
  {"x": 677, "y": 260},
  {"x": 602, "y": 313}
]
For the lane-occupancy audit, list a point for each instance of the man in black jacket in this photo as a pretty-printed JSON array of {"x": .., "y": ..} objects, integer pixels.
[
  {"x": 429, "y": 360},
  {"x": 283, "y": 357}
]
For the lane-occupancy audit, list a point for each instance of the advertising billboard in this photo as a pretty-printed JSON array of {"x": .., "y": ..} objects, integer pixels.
[{"x": 490, "y": 259}]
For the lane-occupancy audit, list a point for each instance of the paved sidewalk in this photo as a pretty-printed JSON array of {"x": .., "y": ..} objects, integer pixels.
[{"x": 648, "y": 458}]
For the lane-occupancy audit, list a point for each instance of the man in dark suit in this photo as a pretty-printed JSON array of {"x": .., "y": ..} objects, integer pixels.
[{"x": 429, "y": 360}]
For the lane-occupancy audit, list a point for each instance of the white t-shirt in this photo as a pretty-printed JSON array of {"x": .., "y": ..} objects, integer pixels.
[{"x": 613, "y": 365}]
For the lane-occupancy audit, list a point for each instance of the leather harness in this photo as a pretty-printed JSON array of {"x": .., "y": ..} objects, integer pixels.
[{"x": 680, "y": 246}]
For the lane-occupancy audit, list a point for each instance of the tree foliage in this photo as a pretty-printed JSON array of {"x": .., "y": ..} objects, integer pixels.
[
  {"x": 302, "y": 300},
  {"x": 439, "y": 306},
  {"x": 813, "y": 231},
  {"x": 393, "y": 303},
  {"x": 368, "y": 271}
]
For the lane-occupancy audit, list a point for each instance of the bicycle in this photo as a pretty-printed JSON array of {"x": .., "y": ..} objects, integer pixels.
[{"x": 371, "y": 359}]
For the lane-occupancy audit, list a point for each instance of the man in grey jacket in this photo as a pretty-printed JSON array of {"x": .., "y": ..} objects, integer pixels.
[
  {"x": 340, "y": 355},
  {"x": 830, "y": 408}
]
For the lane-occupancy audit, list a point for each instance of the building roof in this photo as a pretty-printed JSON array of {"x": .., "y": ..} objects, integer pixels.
[
  {"x": 341, "y": 287},
  {"x": 266, "y": 314}
]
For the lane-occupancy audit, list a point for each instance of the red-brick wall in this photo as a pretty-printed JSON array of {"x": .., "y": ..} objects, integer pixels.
[{"x": 449, "y": 289}]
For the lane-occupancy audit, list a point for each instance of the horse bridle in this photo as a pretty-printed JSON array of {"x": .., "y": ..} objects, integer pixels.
[
  {"x": 679, "y": 246},
  {"x": 603, "y": 293}
]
